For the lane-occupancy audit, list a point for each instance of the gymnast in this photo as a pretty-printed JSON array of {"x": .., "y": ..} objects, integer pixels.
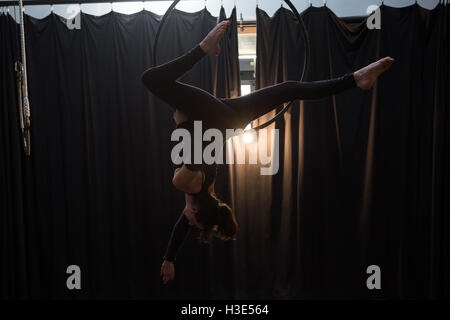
[{"x": 203, "y": 209}]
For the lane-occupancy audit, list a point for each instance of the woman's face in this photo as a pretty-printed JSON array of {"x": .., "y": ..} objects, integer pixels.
[{"x": 190, "y": 211}]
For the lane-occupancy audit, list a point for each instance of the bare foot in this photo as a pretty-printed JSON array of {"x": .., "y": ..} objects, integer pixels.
[
  {"x": 365, "y": 77},
  {"x": 210, "y": 44}
]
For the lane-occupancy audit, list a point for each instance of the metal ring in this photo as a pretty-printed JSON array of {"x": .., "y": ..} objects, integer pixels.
[
  {"x": 305, "y": 66},
  {"x": 305, "y": 60},
  {"x": 160, "y": 27}
]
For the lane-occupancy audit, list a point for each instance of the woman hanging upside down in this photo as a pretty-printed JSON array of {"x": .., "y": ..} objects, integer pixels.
[{"x": 203, "y": 209}]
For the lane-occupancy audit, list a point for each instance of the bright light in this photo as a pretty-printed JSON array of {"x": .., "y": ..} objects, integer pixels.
[
  {"x": 248, "y": 137},
  {"x": 245, "y": 89}
]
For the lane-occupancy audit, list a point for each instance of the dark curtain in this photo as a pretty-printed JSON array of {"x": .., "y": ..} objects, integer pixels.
[
  {"x": 364, "y": 176},
  {"x": 13, "y": 265},
  {"x": 96, "y": 191}
]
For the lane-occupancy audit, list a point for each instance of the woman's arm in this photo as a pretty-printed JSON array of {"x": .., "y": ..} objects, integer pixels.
[{"x": 179, "y": 233}]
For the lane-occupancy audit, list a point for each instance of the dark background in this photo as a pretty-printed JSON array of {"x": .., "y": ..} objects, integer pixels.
[{"x": 364, "y": 176}]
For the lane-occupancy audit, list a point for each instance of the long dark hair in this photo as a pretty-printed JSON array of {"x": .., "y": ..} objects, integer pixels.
[{"x": 216, "y": 217}]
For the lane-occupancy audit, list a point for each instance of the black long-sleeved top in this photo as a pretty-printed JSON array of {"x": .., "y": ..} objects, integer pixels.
[{"x": 179, "y": 233}]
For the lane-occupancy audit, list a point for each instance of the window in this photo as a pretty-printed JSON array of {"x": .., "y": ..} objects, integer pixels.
[{"x": 247, "y": 57}]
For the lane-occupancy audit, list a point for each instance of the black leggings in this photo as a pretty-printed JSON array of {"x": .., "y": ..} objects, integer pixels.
[{"x": 231, "y": 113}]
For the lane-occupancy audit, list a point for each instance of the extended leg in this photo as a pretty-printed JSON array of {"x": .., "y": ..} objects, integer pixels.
[
  {"x": 159, "y": 77},
  {"x": 260, "y": 102},
  {"x": 196, "y": 103}
]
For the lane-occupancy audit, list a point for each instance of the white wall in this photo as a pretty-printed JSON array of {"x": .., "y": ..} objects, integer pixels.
[{"x": 342, "y": 8}]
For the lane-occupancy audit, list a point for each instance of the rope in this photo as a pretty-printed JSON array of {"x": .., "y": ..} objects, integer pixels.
[{"x": 26, "y": 103}]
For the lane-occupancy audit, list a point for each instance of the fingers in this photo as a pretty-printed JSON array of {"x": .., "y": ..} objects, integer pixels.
[{"x": 167, "y": 276}]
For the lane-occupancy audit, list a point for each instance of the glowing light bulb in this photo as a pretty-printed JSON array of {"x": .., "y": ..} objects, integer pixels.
[{"x": 249, "y": 135}]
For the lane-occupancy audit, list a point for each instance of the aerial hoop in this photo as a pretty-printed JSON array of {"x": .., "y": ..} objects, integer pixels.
[{"x": 305, "y": 60}]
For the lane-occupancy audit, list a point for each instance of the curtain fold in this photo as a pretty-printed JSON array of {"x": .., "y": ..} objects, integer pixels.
[
  {"x": 363, "y": 178},
  {"x": 366, "y": 183},
  {"x": 13, "y": 253}
]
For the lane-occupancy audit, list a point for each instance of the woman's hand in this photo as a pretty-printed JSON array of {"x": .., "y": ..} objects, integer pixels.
[{"x": 167, "y": 271}]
